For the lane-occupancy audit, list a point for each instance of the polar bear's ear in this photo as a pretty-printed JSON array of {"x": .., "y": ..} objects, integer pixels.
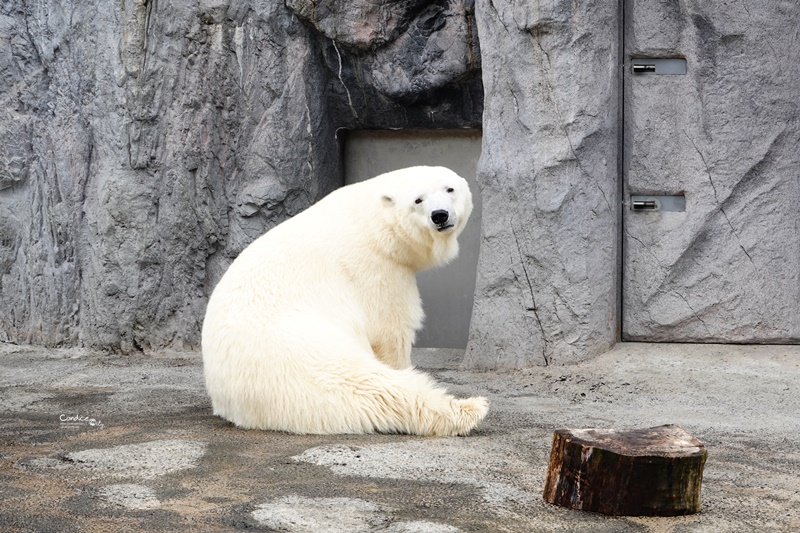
[{"x": 387, "y": 200}]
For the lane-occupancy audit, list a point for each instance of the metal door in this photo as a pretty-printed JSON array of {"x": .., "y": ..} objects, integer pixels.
[
  {"x": 447, "y": 292},
  {"x": 711, "y": 163}
]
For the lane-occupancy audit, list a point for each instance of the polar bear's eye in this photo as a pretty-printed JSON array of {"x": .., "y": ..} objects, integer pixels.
[
  {"x": 418, "y": 201},
  {"x": 450, "y": 189}
]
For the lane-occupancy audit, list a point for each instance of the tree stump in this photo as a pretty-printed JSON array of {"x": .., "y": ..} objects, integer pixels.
[{"x": 647, "y": 472}]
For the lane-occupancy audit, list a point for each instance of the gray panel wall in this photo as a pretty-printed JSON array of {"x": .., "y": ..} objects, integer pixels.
[{"x": 726, "y": 134}]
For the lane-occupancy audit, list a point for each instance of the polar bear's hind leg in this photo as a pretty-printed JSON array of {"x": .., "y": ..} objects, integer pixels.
[{"x": 408, "y": 401}]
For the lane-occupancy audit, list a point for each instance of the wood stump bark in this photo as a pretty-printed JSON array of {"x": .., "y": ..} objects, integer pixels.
[{"x": 647, "y": 472}]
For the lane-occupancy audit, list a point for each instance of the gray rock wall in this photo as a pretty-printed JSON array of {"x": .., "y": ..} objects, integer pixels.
[
  {"x": 547, "y": 290},
  {"x": 144, "y": 144},
  {"x": 151, "y": 142}
]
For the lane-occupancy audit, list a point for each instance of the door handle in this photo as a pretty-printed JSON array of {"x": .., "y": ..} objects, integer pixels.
[
  {"x": 639, "y": 68},
  {"x": 644, "y": 205},
  {"x": 640, "y": 203},
  {"x": 653, "y": 65}
]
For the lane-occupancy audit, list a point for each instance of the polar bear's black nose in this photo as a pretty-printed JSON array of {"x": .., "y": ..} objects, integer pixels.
[{"x": 440, "y": 217}]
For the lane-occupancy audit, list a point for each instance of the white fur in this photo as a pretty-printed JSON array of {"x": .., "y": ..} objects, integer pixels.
[{"x": 310, "y": 329}]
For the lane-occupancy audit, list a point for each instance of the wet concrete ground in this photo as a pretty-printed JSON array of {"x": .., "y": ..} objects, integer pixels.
[{"x": 92, "y": 442}]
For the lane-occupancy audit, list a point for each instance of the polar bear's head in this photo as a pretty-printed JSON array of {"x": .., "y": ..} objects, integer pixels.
[{"x": 427, "y": 208}]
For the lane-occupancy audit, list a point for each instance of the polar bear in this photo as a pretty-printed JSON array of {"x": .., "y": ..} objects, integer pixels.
[{"x": 310, "y": 329}]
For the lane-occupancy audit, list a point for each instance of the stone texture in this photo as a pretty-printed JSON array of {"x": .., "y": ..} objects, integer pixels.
[
  {"x": 426, "y": 76},
  {"x": 727, "y": 135},
  {"x": 361, "y": 26},
  {"x": 141, "y": 461},
  {"x": 306, "y": 515},
  {"x": 546, "y": 289},
  {"x": 144, "y": 144},
  {"x": 129, "y": 496},
  {"x": 734, "y": 398},
  {"x": 140, "y": 118}
]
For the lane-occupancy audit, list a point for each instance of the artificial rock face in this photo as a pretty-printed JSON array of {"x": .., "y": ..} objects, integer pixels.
[
  {"x": 726, "y": 137},
  {"x": 144, "y": 144},
  {"x": 723, "y": 137},
  {"x": 408, "y": 64},
  {"x": 130, "y": 184},
  {"x": 546, "y": 288}
]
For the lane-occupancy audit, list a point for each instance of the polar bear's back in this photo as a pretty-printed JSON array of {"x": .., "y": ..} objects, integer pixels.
[
  {"x": 292, "y": 273},
  {"x": 294, "y": 261}
]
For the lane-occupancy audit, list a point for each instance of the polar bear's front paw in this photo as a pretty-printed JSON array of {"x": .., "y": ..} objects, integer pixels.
[{"x": 469, "y": 413}]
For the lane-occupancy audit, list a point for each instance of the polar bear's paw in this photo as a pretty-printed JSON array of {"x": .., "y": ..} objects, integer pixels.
[
  {"x": 461, "y": 417},
  {"x": 469, "y": 413}
]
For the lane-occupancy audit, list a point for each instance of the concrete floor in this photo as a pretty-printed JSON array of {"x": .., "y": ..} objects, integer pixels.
[{"x": 92, "y": 442}]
